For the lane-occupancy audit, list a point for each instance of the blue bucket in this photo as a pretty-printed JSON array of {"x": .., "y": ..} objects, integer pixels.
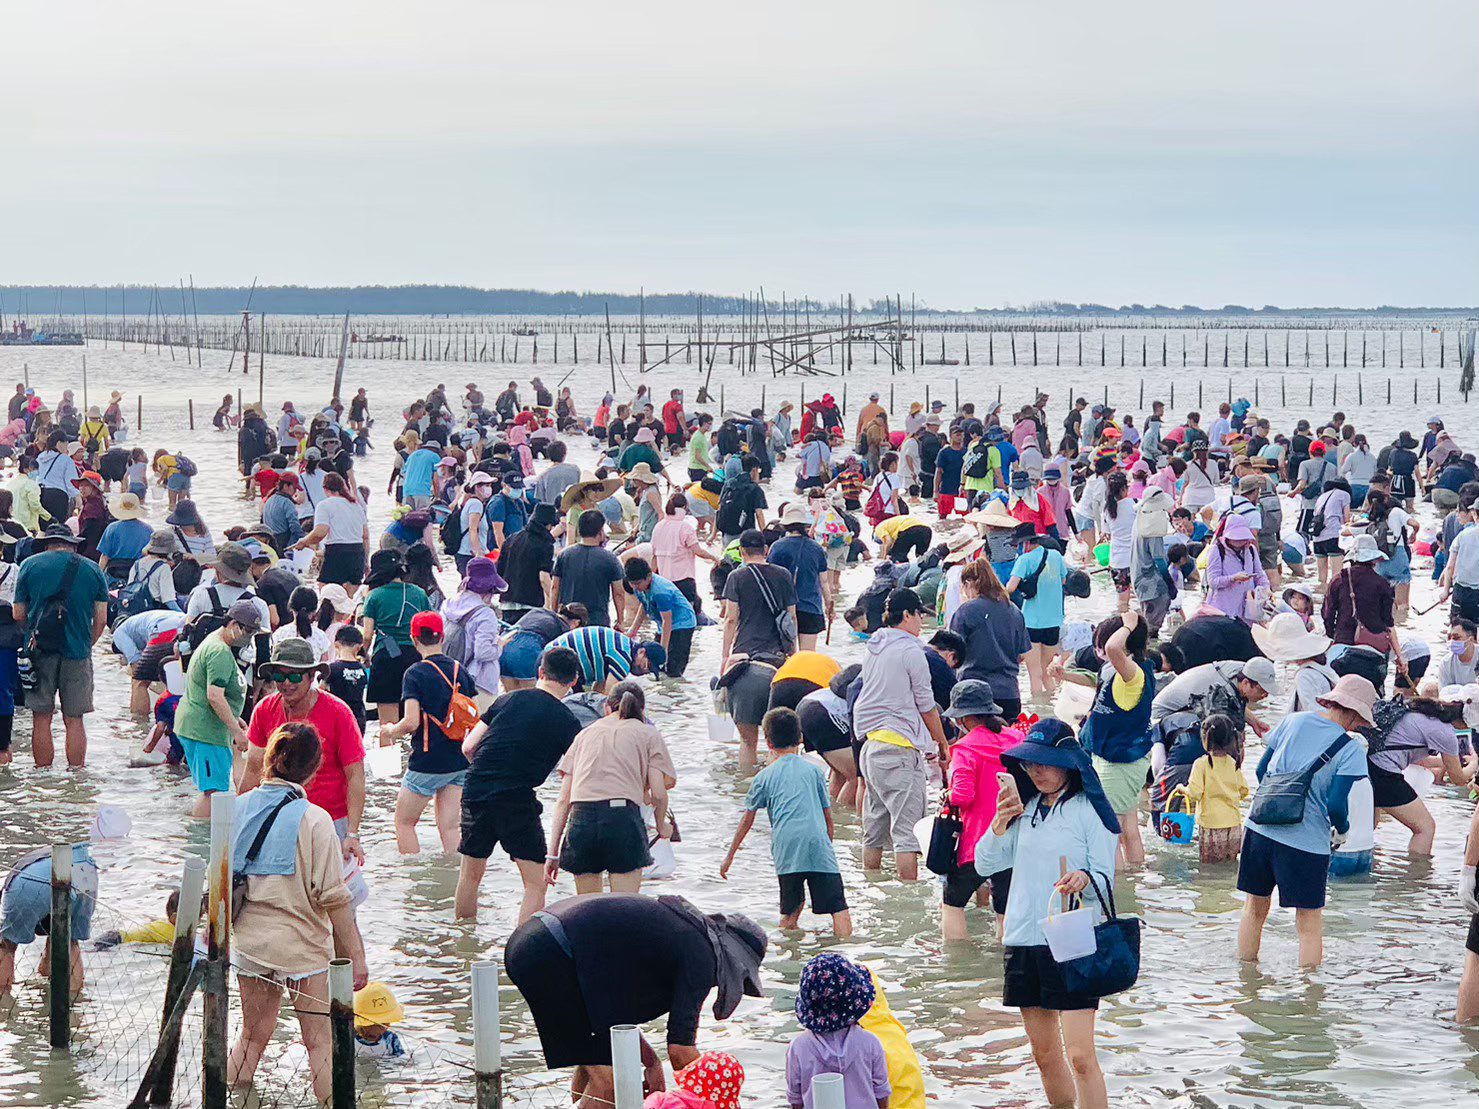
[{"x": 1178, "y": 827}]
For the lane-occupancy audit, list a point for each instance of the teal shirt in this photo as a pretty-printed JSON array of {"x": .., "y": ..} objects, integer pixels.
[
  {"x": 40, "y": 577},
  {"x": 793, "y": 793}
]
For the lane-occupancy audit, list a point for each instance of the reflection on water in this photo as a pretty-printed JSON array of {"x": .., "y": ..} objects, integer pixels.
[{"x": 1200, "y": 1029}]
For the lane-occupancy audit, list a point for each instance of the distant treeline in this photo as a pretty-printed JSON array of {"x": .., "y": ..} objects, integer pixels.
[{"x": 39, "y": 301}]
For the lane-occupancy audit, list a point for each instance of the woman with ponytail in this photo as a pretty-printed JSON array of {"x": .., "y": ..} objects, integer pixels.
[
  {"x": 613, "y": 768},
  {"x": 305, "y": 624}
]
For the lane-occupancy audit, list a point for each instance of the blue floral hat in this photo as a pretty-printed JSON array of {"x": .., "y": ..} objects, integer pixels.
[{"x": 834, "y": 994}]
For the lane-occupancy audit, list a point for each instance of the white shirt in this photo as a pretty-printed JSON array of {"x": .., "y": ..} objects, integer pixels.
[
  {"x": 161, "y": 581},
  {"x": 318, "y": 639},
  {"x": 1121, "y": 530},
  {"x": 1464, "y": 557},
  {"x": 344, "y": 519}
]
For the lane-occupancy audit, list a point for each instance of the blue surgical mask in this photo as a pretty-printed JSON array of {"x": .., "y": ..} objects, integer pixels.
[{"x": 1457, "y": 646}]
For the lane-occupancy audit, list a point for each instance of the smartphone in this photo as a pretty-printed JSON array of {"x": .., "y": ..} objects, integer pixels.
[{"x": 1005, "y": 783}]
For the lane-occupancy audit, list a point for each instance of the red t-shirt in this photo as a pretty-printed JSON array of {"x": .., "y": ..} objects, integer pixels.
[
  {"x": 672, "y": 413},
  {"x": 343, "y": 746},
  {"x": 266, "y": 482}
]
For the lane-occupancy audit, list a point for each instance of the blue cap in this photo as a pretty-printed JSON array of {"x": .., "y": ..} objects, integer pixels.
[{"x": 657, "y": 655}]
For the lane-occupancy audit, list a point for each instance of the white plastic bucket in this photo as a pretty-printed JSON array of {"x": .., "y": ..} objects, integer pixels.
[
  {"x": 1070, "y": 935},
  {"x": 383, "y": 762},
  {"x": 174, "y": 677},
  {"x": 664, "y": 862},
  {"x": 1420, "y": 778},
  {"x": 721, "y": 728},
  {"x": 302, "y": 560}
]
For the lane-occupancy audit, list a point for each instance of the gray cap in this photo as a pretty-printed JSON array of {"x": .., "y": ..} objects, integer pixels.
[
  {"x": 1262, "y": 671},
  {"x": 247, "y": 614},
  {"x": 972, "y": 697}
]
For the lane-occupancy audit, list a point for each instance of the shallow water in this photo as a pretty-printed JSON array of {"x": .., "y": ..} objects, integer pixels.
[{"x": 1372, "y": 1027}]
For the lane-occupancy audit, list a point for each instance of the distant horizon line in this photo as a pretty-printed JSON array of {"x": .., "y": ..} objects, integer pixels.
[{"x": 40, "y": 301}]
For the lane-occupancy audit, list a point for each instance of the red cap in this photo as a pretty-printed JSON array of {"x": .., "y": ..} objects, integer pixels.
[
  {"x": 427, "y": 622},
  {"x": 1317, "y": 447}
]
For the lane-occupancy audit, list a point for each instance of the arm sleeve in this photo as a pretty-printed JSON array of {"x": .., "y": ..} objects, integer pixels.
[
  {"x": 691, "y": 986},
  {"x": 962, "y": 776},
  {"x": 1338, "y": 800},
  {"x": 794, "y": 1077},
  {"x": 1100, "y": 844},
  {"x": 1196, "y": 785},
  {"x": 919, "y": 682},
  {"x": 323, "y": 863},
  {"x": 878, "y": 1064},
  {"x": 1217, "y": 575}
]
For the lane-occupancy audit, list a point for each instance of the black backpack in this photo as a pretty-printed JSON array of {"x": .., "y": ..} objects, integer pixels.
[
  {"x": 1386, "y": 714},
  {"x": 451, "y": 530},
  {"x": 731, "y": 512},
  {"x": 203, "y": 624},
  {"x": 49, "y": 632},
  {"x": 978, "y": 461}
]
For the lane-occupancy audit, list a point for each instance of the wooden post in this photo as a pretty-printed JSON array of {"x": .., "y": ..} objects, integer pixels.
[
  {"x": 190, "y": 405},
  {"x": 139, "y": 419},
  {"x": 626, "y": 1066},
  {"x": 844, "y": 397},
  {"x": 60, "y": 970},
  {"x": 890, "y": 395},
  {"x": 217, "y": 1003},
  {"x": 487, "y": 1047},
  {"x": 341, "y": 1026},
  {"x": 957, "y": 394},
  {"x": 182, "y": 958}
]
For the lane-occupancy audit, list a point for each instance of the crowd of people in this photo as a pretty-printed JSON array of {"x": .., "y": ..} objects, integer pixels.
[{"x": 497, "y": 633}]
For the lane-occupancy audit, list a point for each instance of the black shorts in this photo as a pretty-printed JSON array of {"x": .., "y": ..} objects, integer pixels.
[
  {"x": 810, "y": 623},
  {"x": 383, "y": 686},
  {"x": 1327, "y": 548},
  {"x": 962, "y": 883},
  {"x": 819, "y": 732},
  {"x": 509, "y": 819},
  {"x": 1266, "y": 865},
  {"x": 675, "y": 440},
  {"x": 788, "y": 692},
  {"x": 1472, "y": 943},
  {"x": 1033, "y": 980},
  {"x": 827, "y": 896},
  {"x": 149, "y": 666},
  {"x": 1048, "y": 637},
  {"x": 1389, "y": 790},
  {"x": 546, "y": 976},
  {"x": 1011, "y": 708},
  {"x": 605, "y": 838}
]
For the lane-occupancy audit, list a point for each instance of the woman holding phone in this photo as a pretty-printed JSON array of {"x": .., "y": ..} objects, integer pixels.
[{"x": 1053, "y": 829}]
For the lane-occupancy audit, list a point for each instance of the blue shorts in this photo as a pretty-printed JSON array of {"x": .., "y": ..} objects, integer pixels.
[
  {"x": 1397, "y": 569},
  {"x": 27, "y": 906},
  {"x": 178, "y": 483},
  {"x": 138, "y": 489},
  {"x": 520, "y": 656},
  {"x": 1266, "y": 865},
  {"x": 210, "y": 765},
  {"x": 429, "y": 785}
]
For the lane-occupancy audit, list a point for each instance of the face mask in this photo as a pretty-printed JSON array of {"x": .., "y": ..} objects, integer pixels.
[{"x": 1457, "y": 646}]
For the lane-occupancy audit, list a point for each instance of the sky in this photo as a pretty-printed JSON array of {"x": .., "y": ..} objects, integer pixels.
[{"x": 982, "y": 153}]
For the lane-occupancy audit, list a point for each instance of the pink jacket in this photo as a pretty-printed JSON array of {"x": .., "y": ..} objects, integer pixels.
[{"x": 975, "y": 761}]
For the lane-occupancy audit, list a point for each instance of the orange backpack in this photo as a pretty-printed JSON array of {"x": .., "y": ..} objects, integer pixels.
[{"x": 462, "y": 711}]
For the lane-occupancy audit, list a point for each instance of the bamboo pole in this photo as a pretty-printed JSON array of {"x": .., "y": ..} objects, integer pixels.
[
  {"x": 341, "y": 1026},
  {"x": 60, "y": 937}
]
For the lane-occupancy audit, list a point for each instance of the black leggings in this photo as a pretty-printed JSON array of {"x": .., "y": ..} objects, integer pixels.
[
  {"x": 680, "y": 643},
  {"x": 915, "y": 540},
  {"x": 689, "y": 588}
]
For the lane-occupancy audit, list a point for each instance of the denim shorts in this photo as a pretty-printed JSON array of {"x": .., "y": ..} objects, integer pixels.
[
  {"x": 178, "y": 483},
  {"x": 429, "y": 785},
  {"x": 210, "y": 765},
  {"x": 27, "y": 906}
]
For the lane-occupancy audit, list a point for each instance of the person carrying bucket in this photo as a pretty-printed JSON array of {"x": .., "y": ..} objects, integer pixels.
[{"x": 1217, "y": 789}]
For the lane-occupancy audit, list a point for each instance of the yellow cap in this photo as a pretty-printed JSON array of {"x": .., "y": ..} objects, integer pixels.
[{"x": 375, "y": 1004}]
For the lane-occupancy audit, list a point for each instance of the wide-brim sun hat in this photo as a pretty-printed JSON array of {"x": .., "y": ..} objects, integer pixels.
[
  {"x": 588, "y": 483},
  {"x": 642, "y": 474},
  {"x": 1286, "y": 639},
  {"x": 1236, "y": 529},
  {"x": 483, "y": 578},
  {"x": 1051, "y": 742},
  {"x": 126, "y": 506},
  {"x": 796, "y": 513},
  {"x": 1364, "y": 549},
  {"x": 833, "y": 994},
  {"x": 1355, "y": 693},
  {"x": 292, "y": 653},
  {"x": 993, "y": 516}
]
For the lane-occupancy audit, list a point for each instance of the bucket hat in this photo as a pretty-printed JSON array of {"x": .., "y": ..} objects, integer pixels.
[
  {"x": 972, "y": 697},
  {"x": 644, "y": 435},
  {"x": 1052, "y": 743},
  {"x": 1286, "y": 639},
  {"x": 293, "y": 653},
  {"x": 1355, "y": 693},
  {"x": 185, "y": 515},
  {"x": 233, "y": 564},
  {"x": 59, "y": 533},
  {"x": 163, "y": 543},
  {"x": 714, "y": 1076},
  {"x": 642, "y": 473},
  {"x": 834, "y": 993},
  {"x": 796, "y": 513},
  {"x": 1364, "y": 549},
  {"x": 386, "y": 565},
  {"x": 375, "y": 1004},
  {"x": 483, "y": 578}
]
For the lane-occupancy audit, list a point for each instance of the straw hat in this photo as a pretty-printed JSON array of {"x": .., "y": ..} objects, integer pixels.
[
  {"x": 1355, "y": 693},
  {"x": 1285, "y": 639},
  {"x": 126, "y": 506},
  {"x": 642, "y": 473},
  {"x": 588, "y": 483},
  {"x": 962, "y": 547},
  {"x": 116, "y": 395},
  {"x": 993, "y": 516}
]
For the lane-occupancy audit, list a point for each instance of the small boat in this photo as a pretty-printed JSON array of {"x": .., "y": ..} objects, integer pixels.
[
  {"x": 21, "y": 335},
  {"x": 525, "y": 332}
]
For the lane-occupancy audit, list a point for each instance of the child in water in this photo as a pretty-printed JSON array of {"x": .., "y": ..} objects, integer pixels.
[
  {"x": 1217, "y": 790},
  {"x": 375, "y": 1010},
  {"x": 834, "y": 994}
]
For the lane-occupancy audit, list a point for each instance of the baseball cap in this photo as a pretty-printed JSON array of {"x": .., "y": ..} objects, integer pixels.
[
  {"x": 657, "y": 655},
  {"x": 429, "y": 623},
  {"x": 247, "y": 614},
  {"x": 1262, "y": 671},
  {"x": 752, "y": 539},
  {"x": 872, "y": 396}
]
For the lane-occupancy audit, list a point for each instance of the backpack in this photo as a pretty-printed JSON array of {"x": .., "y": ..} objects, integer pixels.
[
  {"x": 462, "y": 711},
  {"x": 834, "y": 531},
  {"x": 97, "y": 431},
  {"x": 202, "y": 624},
  {"x": 1386, "y": 714},
  {"x": 455, "y": 644},
  {"x": 730, "y": 513},
  {"x": 49, "y": 635},
  {"x": 451, "y": 530},
  {"x": 184, "y": 467},
  {"x": 978, "y": 461},
  {"x": 135, "y": 597}
]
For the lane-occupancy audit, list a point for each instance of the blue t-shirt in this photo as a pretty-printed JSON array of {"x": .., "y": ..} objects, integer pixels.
[
  {"x": 475, "y": 515},
  {"x": 124, "y": 539},
  {"x": 511, "y": 512},
  {"x": 417, "y": 471},
  {"x": 1296, "y": 742},
  {"x": 793, "y": 793},
  {"x": 55, "y": 470},
  {"x": 807, "y": 562},
  {"x": 949, "y": 462},
  {"x": 1046, "y": 609},
  {"x": 1009, "y": 455},
  {"x": 663, "y": 596}
]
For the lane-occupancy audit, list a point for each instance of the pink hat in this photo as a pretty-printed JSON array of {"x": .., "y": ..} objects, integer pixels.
[
  {"x": 644, "y": 435},
  {"x": 1355, "y": 693},
  {"x": 1237, "y": 529}
]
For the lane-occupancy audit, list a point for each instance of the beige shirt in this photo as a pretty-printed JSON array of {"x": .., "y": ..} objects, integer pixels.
[
  {"x": 611, "y": 759},
  {"x": 285, "y": 921}
]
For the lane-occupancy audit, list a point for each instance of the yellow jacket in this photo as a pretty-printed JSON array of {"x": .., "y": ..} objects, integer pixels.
[{"x": 904, "y": 1073}]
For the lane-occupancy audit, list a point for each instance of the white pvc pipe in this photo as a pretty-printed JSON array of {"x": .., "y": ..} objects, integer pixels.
[
  {"x": 827, "y": 1092},
  {"x": 487, "y": 1047},
  {"x": 626, "y": 1065},
  {"x": 192, "y": 886}
]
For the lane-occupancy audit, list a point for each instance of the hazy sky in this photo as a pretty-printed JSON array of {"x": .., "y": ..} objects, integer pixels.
[{"x": 974, "y": 153}]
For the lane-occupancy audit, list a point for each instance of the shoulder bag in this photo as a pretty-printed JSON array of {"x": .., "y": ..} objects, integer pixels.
[
  {"x": 1280, "y": 798},
  {"x": 1114, "y": 965},
  {"x": 785, "y": 623},
  {"x": 944, "y": 845}
]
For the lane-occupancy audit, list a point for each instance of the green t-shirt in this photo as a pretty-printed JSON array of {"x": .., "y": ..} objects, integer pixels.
[
  {"x": 392, "y": 606},
  {"x": 698, "y": 452},
  {"x": 213, "y": 663},
  {"x": 38, "y": 579},
  {"x": 638, "y": 452}
]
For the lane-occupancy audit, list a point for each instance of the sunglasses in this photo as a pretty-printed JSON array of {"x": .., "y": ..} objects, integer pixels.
[{"x": 292, "y": 677}]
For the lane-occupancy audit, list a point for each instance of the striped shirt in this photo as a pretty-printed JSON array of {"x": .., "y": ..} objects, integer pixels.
[{"x": 602, "y": 652}]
